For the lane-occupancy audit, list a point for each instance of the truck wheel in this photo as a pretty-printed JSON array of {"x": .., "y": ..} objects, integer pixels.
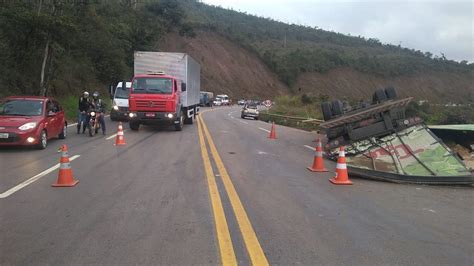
[
  {"x": 379, "y": 96},
  {"x": 188, "y": 120},
  {"x": 391, "y": 93},
  {"x": 134, "y": 125},
  {"x": 179, "y": 126},
  {"x": 337, "y": 107},
  {"x": 327, "y": 113}
]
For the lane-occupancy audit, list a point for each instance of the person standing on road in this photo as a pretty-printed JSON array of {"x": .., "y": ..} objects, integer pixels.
[
  {"x": 84, "y": 105},
  {"x": 99, "y": 107}
]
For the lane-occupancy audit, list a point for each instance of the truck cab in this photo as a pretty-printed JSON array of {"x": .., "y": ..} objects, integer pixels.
[{"x": 155, "y": 100}]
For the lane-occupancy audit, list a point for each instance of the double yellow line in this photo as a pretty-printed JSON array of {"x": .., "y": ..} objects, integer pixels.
[{"x": 223, "y": 236}]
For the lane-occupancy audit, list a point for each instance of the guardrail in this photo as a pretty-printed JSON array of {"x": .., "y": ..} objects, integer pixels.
[{"x": 305, "y": 123}]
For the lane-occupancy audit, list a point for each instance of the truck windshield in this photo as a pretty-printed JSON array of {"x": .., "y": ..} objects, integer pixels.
[
  {"x": 122, "y": 93},
  {"x": 153, "y": 85},
  {"x": 21, "y": 107}
]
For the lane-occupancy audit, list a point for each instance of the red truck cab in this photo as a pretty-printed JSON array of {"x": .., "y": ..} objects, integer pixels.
[{"x": 155, "y": 99}]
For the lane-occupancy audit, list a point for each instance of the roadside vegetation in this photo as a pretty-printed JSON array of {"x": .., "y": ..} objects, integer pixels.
[
  {"x": 60, "y": 48},
  {"x": 294, "y": 111}
]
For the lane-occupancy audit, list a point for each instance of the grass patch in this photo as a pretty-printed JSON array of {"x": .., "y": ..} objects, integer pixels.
[
  {"x": 298, "y": 106},
  {"x": 70, "y": 105}
]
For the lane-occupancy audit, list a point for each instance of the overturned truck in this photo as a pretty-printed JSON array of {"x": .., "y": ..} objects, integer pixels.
[{"x": 382, "y": 143}]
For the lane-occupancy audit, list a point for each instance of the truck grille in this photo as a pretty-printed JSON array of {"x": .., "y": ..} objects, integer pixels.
[{"x": 150, "y": 104}]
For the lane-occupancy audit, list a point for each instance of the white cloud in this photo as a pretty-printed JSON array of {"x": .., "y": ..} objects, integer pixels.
[{"x": 434, "y": 26}]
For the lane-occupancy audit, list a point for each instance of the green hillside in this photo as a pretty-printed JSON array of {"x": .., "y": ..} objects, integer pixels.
[{"x": 77, "y": 45}]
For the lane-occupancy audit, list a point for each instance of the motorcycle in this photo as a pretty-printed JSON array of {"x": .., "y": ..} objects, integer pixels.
[{"x": 94, "y": 124}]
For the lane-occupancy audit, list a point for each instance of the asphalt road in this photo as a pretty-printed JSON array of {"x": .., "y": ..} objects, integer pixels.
[{"x": 219, "y": 192}]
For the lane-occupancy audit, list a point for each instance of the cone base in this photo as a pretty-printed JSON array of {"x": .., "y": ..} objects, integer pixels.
[
  {"x": 66, "y": 185},
  {"x": 338, "y": 182},
  {"x": 120, "y": 144},
  {"x": 317, "y": 170}
]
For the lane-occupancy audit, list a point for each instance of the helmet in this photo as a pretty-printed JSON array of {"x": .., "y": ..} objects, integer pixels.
[
  {"x": 95, "y": 94},
  {"x": 85, "y": 94}
]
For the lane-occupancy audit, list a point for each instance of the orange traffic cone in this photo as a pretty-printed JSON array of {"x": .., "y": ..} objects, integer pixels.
[
  {"x": 65, "y": 177},
  {"x": 272, "y": 132},
  {"x": 120, "y": 138},
  {"x": 318, "y": 163},
  {"x": 341, "y": 178}
]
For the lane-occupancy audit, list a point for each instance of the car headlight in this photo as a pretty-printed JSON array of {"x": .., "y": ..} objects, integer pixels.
[
  {"x": 27, "y": 126},
  {"x": 256, "y": 112},
  {"x": 92, "y": 113},
  {"x": 115, "y": 107}
]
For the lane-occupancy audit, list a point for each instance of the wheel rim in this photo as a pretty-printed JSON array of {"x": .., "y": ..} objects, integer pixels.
[{"x": 44, "y": 141}]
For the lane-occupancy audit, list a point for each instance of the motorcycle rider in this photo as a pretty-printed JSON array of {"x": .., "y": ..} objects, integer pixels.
[
  {"x": 84, "y": 105},
  {"x": 99, "y": 107}
]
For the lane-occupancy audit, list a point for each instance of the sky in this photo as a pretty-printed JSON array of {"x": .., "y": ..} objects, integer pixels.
[{"x": 435, "y": 26}]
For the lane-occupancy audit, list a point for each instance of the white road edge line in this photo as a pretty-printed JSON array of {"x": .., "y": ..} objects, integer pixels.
[
  {"x": 266, "y": 130},
  {"x": 309, "y": 147},
  {"x": 112, "y": 136},
  {"x": 33, "y": 179},
  {"x": 75, "y": 124},
  {"x": 243, "y": 122}
]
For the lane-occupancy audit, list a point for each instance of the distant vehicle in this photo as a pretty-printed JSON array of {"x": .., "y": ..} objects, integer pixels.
[
  {"x": 241, "y": 102},
  {"x": 31, "y": 120},
  {"x": 250, "y": 110},
  {"x": 205, "y": 98},
  {"x": 217, "y": 102},
  {"x": 224, "y": 99},
  {"x": 120, "y": 102},
  {"x": 165, "y": 90}
]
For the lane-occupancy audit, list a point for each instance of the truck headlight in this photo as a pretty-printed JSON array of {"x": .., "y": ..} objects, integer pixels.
[
  {"x": 132, "y": 115},
  {"x": 115, "y": 107},
  {"x": 170, "y": 115},
  {"x": 27, "y": 126}
]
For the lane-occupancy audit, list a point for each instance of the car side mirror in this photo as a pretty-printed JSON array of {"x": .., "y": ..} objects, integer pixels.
[{"x": 183, "y": 86}]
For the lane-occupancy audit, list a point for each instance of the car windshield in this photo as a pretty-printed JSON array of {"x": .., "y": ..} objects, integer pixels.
[
  {"x": 121, "y": 93},
  {"x": 251, "y": 107},
  {"x": 153, "y": 85},
  {"x": 21, "y": 107}
]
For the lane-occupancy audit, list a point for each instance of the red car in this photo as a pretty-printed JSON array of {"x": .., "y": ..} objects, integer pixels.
[{"x": 31, "y": 120}]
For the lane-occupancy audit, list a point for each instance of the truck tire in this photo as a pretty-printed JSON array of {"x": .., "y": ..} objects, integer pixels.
[
  {"x": 179, "y": 127},
  {"x": 188, "y": 120},
  {"x": 391, "y": 93},
  {"x": 327, "y": 113},
  {"x": 134, "y": 125},
  {"x": 379, "y": 96},
  {"x": 337, "y": 107}
]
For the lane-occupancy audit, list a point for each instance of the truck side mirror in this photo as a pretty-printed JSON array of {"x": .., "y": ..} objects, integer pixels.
[{"x": 183, "y": 86}]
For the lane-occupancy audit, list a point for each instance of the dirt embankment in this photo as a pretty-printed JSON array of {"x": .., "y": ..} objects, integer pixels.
[
  {"x": 231, "y": 69},
  {"x": 435, "y": 87},
  {"x": 226, "y": 67}
]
